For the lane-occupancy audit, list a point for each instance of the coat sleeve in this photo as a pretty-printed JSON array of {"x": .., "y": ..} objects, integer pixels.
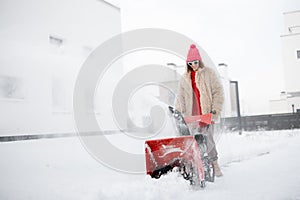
[
  {"x": 217, "y": 94},
  {"x": 180, "y": 99}
]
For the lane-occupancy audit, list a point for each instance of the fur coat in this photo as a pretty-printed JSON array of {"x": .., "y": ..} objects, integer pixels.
[{"x": 211, "y": 93}]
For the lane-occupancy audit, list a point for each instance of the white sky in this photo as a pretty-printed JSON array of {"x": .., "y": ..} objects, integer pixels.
[{"x": 243, "y": 34}]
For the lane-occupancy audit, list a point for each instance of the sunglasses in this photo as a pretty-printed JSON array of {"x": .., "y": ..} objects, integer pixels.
[{"x": 195, "y": 62}]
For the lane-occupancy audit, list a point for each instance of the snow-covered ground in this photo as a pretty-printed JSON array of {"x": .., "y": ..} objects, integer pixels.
[{"x": 256, "y": 165}]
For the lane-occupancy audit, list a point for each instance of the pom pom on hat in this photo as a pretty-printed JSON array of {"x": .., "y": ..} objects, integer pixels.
[
  {"x": 192, "y": 46},
  {"x": 193, "y": 54}
]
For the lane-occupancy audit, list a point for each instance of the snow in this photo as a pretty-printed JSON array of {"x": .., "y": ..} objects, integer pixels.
[{"x": 256, "y": 165}]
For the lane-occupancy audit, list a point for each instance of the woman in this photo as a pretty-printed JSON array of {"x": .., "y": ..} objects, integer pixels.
[{"x": 200, "y": 92}]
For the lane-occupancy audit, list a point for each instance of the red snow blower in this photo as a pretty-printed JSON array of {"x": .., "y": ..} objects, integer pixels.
[{"x": 187, "y": 153}]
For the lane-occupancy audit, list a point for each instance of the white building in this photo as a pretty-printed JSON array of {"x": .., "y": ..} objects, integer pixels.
[
  {"x": 43, "y": 44},
  {"x": 289, "y": 99},
  {"x": 230, "y": 104}
]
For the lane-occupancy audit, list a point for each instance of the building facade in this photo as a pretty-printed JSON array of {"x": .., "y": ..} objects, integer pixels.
[
  {"x": 43, "y": 45},
  {"x": 289, "y": 100}
]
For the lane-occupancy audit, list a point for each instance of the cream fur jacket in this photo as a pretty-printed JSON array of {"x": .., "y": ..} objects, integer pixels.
[{"x": 211, "y": 93}]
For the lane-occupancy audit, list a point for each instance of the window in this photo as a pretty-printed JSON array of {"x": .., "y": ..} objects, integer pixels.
[
  {"x": 298, "y": 54},
  {"x": 56, "y": 40},
  {"x": 294, "y": 29},
  {"x": 11, "y": 88}
]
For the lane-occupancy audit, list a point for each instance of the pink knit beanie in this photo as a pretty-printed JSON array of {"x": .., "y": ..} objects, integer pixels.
[{"x": 193, "y": 54}]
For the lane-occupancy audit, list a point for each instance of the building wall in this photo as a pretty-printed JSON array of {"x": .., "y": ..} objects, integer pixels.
[
  {"x": 37, "y": 74},
  {"x": 227, "y": 108},
  {"x": 290, "y": 46},
  {"x": 291, "y": 21},
  {"x": 293, "y": 101},
  {"x": 291, "y": 63},
  {"x": 279, "y": 105}
]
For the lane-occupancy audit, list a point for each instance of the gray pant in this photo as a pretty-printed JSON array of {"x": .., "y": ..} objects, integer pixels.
[{"x": 211, "y": 145}]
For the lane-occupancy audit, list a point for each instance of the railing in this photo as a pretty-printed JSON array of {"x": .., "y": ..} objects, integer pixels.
[{"x": 263, "y": 122}]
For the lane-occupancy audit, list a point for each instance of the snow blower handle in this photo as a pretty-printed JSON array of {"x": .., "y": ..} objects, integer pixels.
[{"x": 206, "y": 119}]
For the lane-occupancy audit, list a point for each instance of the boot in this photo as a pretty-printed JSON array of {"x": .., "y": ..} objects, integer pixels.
[{"x": 217, "y": 169}]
